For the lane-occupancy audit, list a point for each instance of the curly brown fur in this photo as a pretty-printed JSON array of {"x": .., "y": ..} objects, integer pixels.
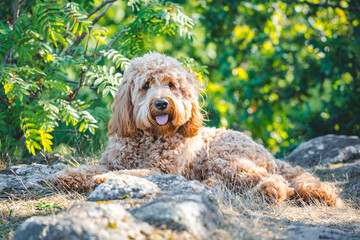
[{"x": 145, "y": 139}]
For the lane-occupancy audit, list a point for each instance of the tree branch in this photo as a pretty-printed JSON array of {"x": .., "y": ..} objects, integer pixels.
[
  {"x": 100, "y": 7},
  {"x": 83, "y": 75},
  {"x": 110, "y": 45},
  {"x": 22, "y": 3},
  {"x": 74, "y": 82},
  {"x": 70, "y": 81},
  {"x": 102, "y": 13},
  {"x": 15, "y": 7},
  {"x": 324, "y": 5},
  {"x": 4, "y": 102},
  {"x": 69, "y": 51},
  {"x": 66, "y": 130}
]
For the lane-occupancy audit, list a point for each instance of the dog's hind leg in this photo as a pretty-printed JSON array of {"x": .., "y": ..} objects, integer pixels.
[
  {"x": 307, "y": 186},
  {"x": 244, "y": 173}
]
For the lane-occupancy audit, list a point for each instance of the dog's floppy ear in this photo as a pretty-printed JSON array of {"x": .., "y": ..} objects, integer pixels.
[
  {"x": 191, "y": 127},
  {"x": 122, "y": 121}
]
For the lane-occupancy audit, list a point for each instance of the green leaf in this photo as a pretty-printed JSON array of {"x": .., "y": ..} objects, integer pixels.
[
  {"x": 48, "y": 35},
  {"x": 100, "y": 87},
  {"x": 36, "y": 145},
  {"x": 75, "y": 27},
  {"x": 32, "y": 150},
  {"x": 61, "y": 39},
  {"x": 98, "y": 81},
  {"x": 80, "y": 30},
  {"x": 53, "y": 37},
  {"x": 92, "y": 130},
  {"x": 81, "y": 128},
  {"x": 106, "y": 91}
]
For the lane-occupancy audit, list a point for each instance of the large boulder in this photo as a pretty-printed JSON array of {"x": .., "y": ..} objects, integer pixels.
[
  {"x": 166, "y": 202},
  {"x": 122, "y": 187},
  {"x": 299, "y": 231},
  {"x": 86, "y": 220},
  {"x": 326, "y": 150},
  {"x": 174, "y": 183},
  {"x": 27, "y": 176},
  {"x": 192, "y": 212}
]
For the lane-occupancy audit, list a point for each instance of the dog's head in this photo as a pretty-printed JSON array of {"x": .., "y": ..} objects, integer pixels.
[{"x": 158, "y": 96}]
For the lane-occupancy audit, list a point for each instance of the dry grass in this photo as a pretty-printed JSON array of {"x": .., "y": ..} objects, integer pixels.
[
  {"x": 347, "y": 218},
  {"x": 16, "y": 209},
  {"x": 250, "y": 217}
]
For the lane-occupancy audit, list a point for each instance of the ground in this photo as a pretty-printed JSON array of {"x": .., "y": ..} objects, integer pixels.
[{"x": 243, "y": 216}]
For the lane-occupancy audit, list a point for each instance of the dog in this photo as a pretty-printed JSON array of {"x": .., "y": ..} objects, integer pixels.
[{"x": 157, "y": 128}]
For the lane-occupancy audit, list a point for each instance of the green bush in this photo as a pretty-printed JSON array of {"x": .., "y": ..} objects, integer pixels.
[
  {"x": 57, "y": 59},
  {"x": 284, "y": 71}
]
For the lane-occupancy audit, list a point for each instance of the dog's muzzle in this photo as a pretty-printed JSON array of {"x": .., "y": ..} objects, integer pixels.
[{"x": 161, "y": 104}]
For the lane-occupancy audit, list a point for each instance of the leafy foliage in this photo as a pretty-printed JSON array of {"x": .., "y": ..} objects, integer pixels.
[
  {"x": 53, "y": 66},
  {"x": 43, "y": 205},
  {"x": 284, "y": 71},
  {"x": 280, "y": 70}
]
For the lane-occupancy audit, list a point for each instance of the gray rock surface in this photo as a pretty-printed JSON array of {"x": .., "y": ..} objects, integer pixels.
[
  {"x": 86, "y": 220},
  {"x": 122, "y": 187},
  {"x": 179, "y": 184},
  {"x": 341, "y": 172},
  {"x": 29, "y": 176},
  {"x": 325, "y": 150},
  {"x": 182, "y": 205},
  {"x": 301, "y": 231},
  {"x": 167, "y": 202},
  {"x": 352, "y": 190},
  {"x": 195, "y": 213}
]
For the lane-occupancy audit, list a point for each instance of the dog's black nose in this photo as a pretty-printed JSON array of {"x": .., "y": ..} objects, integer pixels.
[{"x": 161, "y": 104}]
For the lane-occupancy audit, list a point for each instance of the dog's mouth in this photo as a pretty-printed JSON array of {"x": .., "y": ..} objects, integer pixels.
[{"x": 162, "y": 119}]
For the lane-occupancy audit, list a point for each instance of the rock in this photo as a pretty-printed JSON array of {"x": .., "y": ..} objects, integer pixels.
[
  {"x": 122, "y": 187},
  {"x": 195, "y": 213},
  {"x": 181, "y": 205},
  {"x": 326, "y": 150},
  {"x": 348, "y": 171},
  {"x": 185, "y": 208},
  {"x": 86, "y": 220},
  {"x": 32, "y": 176},
  {"x": 54, "y": 158},
  {"x": 352, "y": 189},
  {"x": 171, "y": 183},
  {"x": 302, "y": 231},
  {"x": 341, "y": 172}
]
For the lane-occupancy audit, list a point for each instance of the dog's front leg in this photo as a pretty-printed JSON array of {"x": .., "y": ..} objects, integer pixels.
[
  {"x": 134, "y": 172},
  {"x": 78, "y": 179}
]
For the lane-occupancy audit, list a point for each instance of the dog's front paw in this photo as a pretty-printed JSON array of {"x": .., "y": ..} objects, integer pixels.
[
  {"x": 71, "y": 180},
  {"x": 274, "y": 189},
  {"x": 104, "y": 177}
]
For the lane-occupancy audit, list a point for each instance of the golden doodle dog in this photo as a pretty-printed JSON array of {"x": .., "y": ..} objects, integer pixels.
[{"x": 156, "y": 128}]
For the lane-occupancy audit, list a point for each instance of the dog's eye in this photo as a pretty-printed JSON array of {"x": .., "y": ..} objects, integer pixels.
[
  {"x": 146, "y": 86},
  {"x": 170, "y": 85}
]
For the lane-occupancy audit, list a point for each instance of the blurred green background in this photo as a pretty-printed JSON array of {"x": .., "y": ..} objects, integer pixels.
[{"x": 281, "y": 71}]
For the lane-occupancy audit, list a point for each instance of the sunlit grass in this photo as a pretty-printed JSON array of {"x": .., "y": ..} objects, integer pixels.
[{"x": 248, "y": 216}]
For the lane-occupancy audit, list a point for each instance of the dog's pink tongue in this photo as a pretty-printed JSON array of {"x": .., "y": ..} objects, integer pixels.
[{"x": 162, "y": 119}]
